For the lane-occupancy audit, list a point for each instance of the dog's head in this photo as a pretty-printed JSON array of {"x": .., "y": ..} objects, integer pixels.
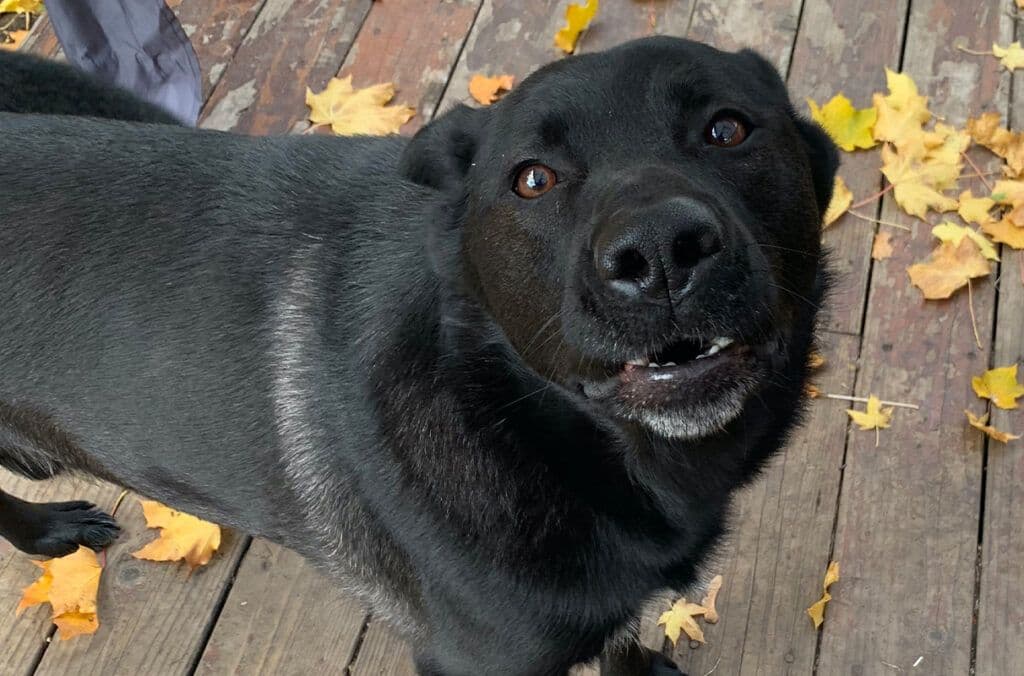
[{"x": 643, "y": 224}]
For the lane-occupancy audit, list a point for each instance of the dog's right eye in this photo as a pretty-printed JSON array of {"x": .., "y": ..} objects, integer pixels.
[
  {"x": 534, "y": 180},
  {"x": 725, "y": 131}
]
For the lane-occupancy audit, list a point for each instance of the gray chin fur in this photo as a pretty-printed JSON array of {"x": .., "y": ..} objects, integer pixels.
[{"x": 693, "y": 423}]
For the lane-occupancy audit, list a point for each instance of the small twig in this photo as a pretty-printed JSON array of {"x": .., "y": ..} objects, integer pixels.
[
  {"x": 313, "y": 127},
  {"x": 864, "y": 400},
  {"x": 970, "y": 306},
  {"x": 1020, "y": 260},
  {"x": 964, "y": 177},
  {"x": 875, "y": 220},
  {"x": 871, "y": 198},
  {"x": 117, "y": 503},
  {"x": 917, "y": 661},
  {"x": 977, "y": 170},
  {"x": 971, "y": 51},
  {"x": 712, "y": 670},
  {"x": 891, "y": 666}
]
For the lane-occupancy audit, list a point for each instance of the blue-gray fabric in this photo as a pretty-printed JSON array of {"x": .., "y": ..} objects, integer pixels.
[{"x": 138, "y": 45}]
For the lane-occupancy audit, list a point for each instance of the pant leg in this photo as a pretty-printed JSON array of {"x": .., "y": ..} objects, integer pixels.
[{"x": 135, "y": 44}]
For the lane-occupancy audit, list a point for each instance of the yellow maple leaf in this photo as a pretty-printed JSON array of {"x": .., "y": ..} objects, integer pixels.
[
  {"x": 975, "y": 209},
  {"x": 577, "y": 19},
  {"x": 352, "y": 111},
  {"x": 1005, "y": 232},
  {"x": 849, "y": 127},
  {"x": 817, "y": 609},
  {"x": 881, "y": 248},
  {"x": 680, "y": 618},
  {"x": 842, "y": 198},
  {"x": 874, "y": 417},
  {"x": 1000, "y": 385},
  {"x": 16, "y": 38},
  {"x": 949, "y": 268},
  {"x": 21, "y": 6},
  {"x": 1010, "y": 56},
  {"x": 913, "y": 187},
  {"x": 487, "y": 90},
  {"x": 987, "y": 131},
  {"x": 981, "y": 423},
  {"x": 953, "y": 233},
  {"x": 183, "y": 537},
  {"x": 902, "y": 113},
  {"x": 69, "y": 584},
  {"x": 710, "y": 596}
]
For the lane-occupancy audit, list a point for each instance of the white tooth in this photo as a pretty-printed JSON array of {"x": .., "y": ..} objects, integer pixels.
[
  {"x": 654, "y": 365},
  {"x": 722, "y": 343},
  {"x": 669, "y": 363},
  {"x": 637, "y": 362}
]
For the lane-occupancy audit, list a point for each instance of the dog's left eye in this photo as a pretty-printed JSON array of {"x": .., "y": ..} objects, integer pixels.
[
  {"x": 725, "y": 131},
  {"x": 534, "y": 180}
]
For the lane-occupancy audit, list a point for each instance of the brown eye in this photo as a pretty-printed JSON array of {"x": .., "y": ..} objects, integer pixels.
[
  {"x": 534, "y": 180},
  {"x": 725, "y": 131}
]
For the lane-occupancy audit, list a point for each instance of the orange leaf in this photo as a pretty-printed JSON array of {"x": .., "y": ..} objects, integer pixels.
[
  {"x": 817, "y": 610},
  {"x": 987, "y": 131},
  {"x": 577, "y": 19},
  {"x": 981, "y": 423},
  {"x": 16, "y": 38},
  {"x": 69, "y": 584},
  {"x": 1006, "y": 232},
  {"x": 182, "y": 537},
  {"x": 948, "y": 269},
  {"x": 882, "y": 247},
  {"x": 487, "y": 90},
  {"x": 710, "y": 612}
]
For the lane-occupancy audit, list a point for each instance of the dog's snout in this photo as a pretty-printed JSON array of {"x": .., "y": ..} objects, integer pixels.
[{"x": 654, "y": 252}]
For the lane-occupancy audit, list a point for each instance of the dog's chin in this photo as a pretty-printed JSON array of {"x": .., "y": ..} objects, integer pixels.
[{"x": 688, "y": 391}]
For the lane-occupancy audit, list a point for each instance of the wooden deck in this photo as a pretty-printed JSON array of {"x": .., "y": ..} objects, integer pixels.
[{"x": 927, "y": 526}]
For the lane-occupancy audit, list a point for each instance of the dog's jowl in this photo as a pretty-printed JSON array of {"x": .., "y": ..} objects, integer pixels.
[{"x": 521, "y": 360}]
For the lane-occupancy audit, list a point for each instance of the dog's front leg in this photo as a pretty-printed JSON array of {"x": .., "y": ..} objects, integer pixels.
[{"x": 54, "y": 529}]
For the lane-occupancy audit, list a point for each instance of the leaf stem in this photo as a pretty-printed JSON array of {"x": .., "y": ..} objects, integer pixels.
[
  {"x": 977, "y": 170},
  {"x": 974, "y": 52},
  {"x": 871, "y": 198},
  {"x": 970, "y": 306},
  {"x": 864, "y": 400},
  {"x": 875, "y": 220}
]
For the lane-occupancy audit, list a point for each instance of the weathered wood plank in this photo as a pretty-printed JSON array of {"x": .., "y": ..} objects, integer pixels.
[
  {"x": 42, "y": 41},
  {"x": 154, "y": 617},
  {"x": 292, "y": 44},
  {"x": 1000, "y": 647},
  {"x": 382, "y": 653},
  {"x": 768, "y": 26},
  {"x": 414, "y": 45},
  {"x": 773, "y": 562},
  {"x": 24, "y": 638},
  {"x": 908, "y": 518},
  {"x": 282, "y": 617},
  {"x": 845, "y": 47}
]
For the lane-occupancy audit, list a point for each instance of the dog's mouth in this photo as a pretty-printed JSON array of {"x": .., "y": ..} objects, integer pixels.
[{"x": 689, "y": 389}]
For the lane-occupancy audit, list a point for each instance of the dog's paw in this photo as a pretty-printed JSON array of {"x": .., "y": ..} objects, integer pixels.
[
  {"x": 663, "y": 666},
  {"x": 57, "y": 528}
]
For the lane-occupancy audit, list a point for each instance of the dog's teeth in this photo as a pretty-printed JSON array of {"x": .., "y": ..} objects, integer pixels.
[
  {"x": 669, "y": 363},
  {"x": 637, "y": 362},
  {"x": 654, "y": 365},
  {"x": 722, "y": 343}
]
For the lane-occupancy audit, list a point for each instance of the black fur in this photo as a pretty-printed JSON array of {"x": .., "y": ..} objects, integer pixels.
[{"x": 372, "y": 351}]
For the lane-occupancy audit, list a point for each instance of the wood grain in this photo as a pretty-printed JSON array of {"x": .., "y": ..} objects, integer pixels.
[
  {"x": 383, "y": 654},
  {"x": 291, "y": 45},
  {"x": 768, "y": 26},
  {"x": 282, "y": 617},
  {"x": 908, "y": 518}
]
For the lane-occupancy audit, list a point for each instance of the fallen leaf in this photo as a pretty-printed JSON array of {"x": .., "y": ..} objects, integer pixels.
[
  {"x": 987, "y": 131},
  {"x": 948, "y": 268},
  {"x": 1006, "y": 232},
  {"x": 842, "y": 198},
  {"x": 817, "y": 610},
  {"x": 352, "y": 111},
  {"x": 849, "y": 127},
  {"x": 874, "y": 417},
  {"x": 981, "y": 423},
  {"x": 16, "y": 38},
  {"x": 680, "y": 618},
  {"x": 182, "y": 537},
  {"x": 577, "y": 19},
  {"x": 812, "y": 391},
  {"x": 902, "y": 113},
  {"x": 914, "y": 188},
  {"x": 69, "y": 584},
  {"x": 487, "y": 90},
  {"x": 1010, "y": 56},
  {"x": 953, "y": 233},
  {"x": 21, "y": 6},
  {"x": 882, "y": 247},
  {"x": 1000, "y": 385},
  {"x": 816, "y": 360},
  {"x": 975, "y": 209},
  {"x": 710, "y": 612}
]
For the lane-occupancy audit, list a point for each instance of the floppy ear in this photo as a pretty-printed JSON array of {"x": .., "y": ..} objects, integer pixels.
[
  {"x": 440, "y": 154},
  {"x": 824, "y": 158}
]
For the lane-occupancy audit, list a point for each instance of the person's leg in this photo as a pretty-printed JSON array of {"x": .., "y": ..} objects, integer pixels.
[{"x": 138, "y": 45}]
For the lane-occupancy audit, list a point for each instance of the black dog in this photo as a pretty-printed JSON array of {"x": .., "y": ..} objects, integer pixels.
[{"x": 520, "y": 361}]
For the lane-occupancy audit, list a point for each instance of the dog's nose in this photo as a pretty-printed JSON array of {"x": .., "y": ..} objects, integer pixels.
[{"x": 656, "y": 249}]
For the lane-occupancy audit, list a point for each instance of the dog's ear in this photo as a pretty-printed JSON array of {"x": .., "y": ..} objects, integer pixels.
[
  {"x": 824, "y": 159},
  {"x": 440, "y": 154}
]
